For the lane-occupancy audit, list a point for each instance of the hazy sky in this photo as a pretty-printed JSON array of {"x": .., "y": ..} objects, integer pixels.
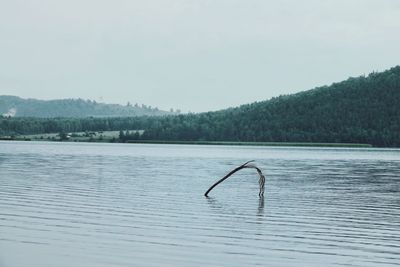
[{"x": 195, "y": 55}]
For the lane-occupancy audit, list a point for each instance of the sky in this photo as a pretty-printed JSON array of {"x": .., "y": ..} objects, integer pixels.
[{"x": 193, "y": 55}]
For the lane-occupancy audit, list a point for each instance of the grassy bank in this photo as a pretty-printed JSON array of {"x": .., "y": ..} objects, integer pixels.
[{"x": 100, "y": 137}]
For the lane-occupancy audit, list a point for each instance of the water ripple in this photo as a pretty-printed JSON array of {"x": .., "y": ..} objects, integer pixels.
[{"x": 124, "y": 205}]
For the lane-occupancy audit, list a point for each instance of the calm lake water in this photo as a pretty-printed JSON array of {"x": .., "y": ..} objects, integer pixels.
[{"x": 95, "y": 205}]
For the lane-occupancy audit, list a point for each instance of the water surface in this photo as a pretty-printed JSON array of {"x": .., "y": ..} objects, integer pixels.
[{"x": 70, "y": 204}]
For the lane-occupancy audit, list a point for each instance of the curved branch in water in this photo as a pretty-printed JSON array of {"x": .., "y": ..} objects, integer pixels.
[{"x": 261, "y": 181}]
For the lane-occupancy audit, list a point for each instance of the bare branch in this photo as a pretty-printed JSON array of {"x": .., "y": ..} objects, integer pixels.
[{"x": 243, "y": 166}]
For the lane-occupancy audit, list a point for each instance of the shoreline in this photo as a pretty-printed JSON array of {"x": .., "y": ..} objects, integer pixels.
[
  {"x": 217, "y": 143},
  {"x": 233, "y": 143}
]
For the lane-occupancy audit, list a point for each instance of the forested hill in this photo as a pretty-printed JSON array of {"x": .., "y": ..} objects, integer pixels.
[
  {"x": 358, "y": 110},
  {"x": 19, "y": 107}
]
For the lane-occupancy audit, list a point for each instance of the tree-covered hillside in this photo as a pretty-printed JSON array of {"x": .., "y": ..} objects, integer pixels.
[
  {"x": 19, "y": 107},
  {"x": 358, "y": 110}
]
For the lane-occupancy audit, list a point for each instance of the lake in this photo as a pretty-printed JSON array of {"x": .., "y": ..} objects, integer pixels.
[{"x": 98, "y": 205}]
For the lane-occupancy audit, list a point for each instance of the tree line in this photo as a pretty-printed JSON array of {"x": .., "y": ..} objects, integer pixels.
[{"x": 365, "y": 109}]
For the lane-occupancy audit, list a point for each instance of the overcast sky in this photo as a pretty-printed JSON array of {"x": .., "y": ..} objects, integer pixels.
[{"x": 194, "y": 55}]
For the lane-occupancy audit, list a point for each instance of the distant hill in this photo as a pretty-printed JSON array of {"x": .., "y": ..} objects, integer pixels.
[
  {"x": 78, "y": 108},
  {"x": 365, "y": 109}
]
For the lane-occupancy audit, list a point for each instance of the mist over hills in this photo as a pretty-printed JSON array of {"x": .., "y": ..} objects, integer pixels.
[
  {"x": 365, "y": 109},
  {"x": 18, "y": 107}
]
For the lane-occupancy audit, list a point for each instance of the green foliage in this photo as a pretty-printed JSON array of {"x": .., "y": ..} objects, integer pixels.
[
  {"x": 127, "y": 136},
  {"x": 63, "y": 136},
  {"x": 358, "y": 110},
  {"x": 27, "y": 125}
]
